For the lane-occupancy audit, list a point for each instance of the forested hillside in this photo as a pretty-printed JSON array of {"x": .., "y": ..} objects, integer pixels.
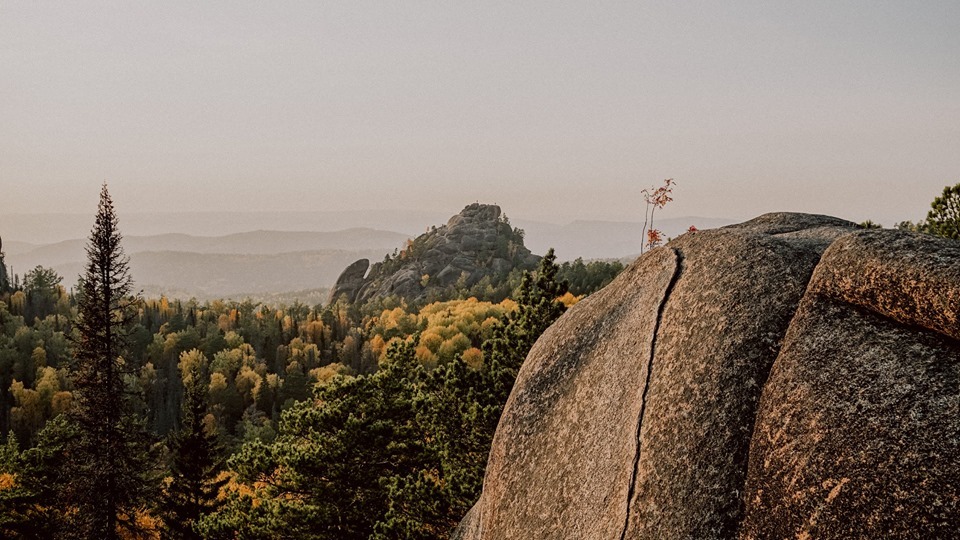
[{"x": 346, "y": 420}]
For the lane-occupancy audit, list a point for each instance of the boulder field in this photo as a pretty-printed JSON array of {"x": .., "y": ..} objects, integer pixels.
[{"x": 793, "y": 376}]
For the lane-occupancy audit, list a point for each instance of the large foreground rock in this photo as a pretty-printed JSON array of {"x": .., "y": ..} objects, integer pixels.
[
  {"x": 858, "y": 433},
  {"x": 742, "y": 382},
  {"x": 584, "y": 364}
]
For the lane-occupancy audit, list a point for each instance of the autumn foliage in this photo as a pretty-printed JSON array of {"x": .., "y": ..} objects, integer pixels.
[
  {"x": 132, "y": 418},
  {"x": 655, "y": 198}
]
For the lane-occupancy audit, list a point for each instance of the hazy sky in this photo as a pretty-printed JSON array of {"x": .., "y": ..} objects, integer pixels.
[{"x": 554, "y": 110}]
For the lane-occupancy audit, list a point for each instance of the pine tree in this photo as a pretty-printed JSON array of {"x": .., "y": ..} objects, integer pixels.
[
  {"x": 327, "y": 473},
  {"x": 4, "y": 278},
  {"x": 108, "y": 485},
  {"x": 537, "y": 308},
  {"x": 193, "y": 489},
  {"x": 459, "y": 408},
  {"x": 944, "y": 216}
]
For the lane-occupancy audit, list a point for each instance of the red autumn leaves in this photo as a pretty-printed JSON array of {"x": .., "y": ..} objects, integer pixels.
[{"x": 655, "y": 198}]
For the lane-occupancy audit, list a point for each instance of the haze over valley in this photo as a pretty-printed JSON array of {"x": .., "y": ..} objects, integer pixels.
[{"x": 286, "y": 264}]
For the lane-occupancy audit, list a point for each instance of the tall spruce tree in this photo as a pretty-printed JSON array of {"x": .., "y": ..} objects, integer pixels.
[
  {"x": 538, "y": 306},
  {"x": 195, "y": 463},
  {"x": 108, "y": 486}
]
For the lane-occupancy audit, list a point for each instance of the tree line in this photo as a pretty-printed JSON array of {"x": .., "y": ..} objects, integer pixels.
[{"x": 133, "y": 418}]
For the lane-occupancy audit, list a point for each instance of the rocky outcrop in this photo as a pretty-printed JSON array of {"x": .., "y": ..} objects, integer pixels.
[
  {"x": 350, "y": 281},
  {"x": 476, "y": 244},
  {"x": 787, "y": 377},
  {"x": 858, "y": 433},
  {"x": 580, "y": 367}
]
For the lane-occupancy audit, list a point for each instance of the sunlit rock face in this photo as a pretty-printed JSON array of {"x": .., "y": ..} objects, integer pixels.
[
  {"x": 858, "y": 431},
  {"x": 788, "y": 377}
]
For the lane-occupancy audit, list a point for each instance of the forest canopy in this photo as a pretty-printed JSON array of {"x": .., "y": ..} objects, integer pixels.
[{"x": 240, "y": 419}]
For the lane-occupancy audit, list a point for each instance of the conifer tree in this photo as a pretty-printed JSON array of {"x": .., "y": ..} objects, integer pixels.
[
  {"x": 108, "y": 485},
  {"x": 459, "y": 408},
  {"x": 4, "y": 278},
  {"x": 537, "y": 308},
  {"x": 944, "y": 216},
  {"x": 327, "y": 473},
  {"x": 193, "y": 489},
  {"x": 32, "y": 482},
  {"x": 15, "y": 500}
]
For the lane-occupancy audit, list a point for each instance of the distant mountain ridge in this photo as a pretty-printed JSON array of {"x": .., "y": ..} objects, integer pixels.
[
  {"x": 25, "y": 256},
  {"x": 42, "y": 229},
  {"x": 207, "y": 267},
  {"x": 50, "y": 228},
  {"x": 209, "y": 276},
  {"x": 588, "y": 239}
]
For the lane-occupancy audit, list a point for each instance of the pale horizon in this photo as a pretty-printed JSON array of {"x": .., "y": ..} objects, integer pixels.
[{"x": 555, "y": 112}]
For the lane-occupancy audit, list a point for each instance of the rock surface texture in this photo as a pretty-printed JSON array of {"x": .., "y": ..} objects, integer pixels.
[
  {"x": 476, "y": 244},
  {"x": 350, "y": 281},
  {"x": 788, "y": 377}
]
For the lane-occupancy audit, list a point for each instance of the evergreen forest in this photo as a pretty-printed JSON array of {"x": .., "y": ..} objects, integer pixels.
[{"x": 132, "y": 417}]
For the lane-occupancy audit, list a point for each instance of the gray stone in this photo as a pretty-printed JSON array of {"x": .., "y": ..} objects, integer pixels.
[
  {"x": 911, "y": 278},
  {"x": 562, "y": 458},
  {"x": 350, "y": 281},
  {"x": 474, "y": 242},
  {"x": 857, "y": 434},
  {"x": 471, "y": 243},
  {"x": 720, "y": 333},
  {"x": 469, "y": 526},
  {"x": 787, "y": 222},
  {"x": 501, "y": 266},
  {"x": 743, "y": 382}
]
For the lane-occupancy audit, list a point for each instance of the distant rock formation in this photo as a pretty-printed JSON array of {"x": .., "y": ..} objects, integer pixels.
[
  {"x": 350, "y": 280},
  {"x": 475, "y": 244},
  {"x": 788, "y": 377}
]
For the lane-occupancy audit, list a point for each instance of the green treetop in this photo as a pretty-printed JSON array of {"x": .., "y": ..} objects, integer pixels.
[
  {"x": 4, "y": 277},
  {"x": 944, "y": 216},
  {"x": 195, "y": 462}
]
